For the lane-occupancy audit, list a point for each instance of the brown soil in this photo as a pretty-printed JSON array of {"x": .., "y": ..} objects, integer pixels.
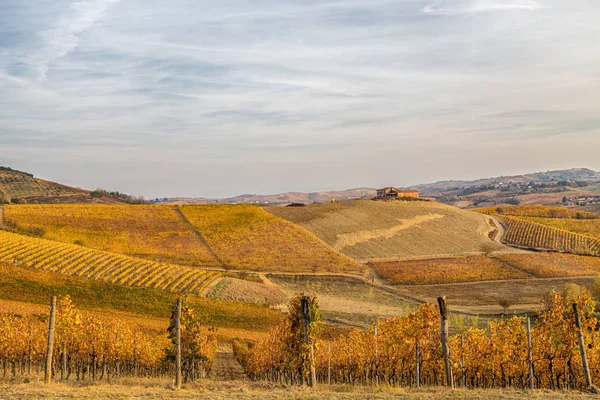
[{"x": 246, "y": 291}]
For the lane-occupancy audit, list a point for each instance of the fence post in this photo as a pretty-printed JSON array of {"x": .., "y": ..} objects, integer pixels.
[
  {"x": 329, "y": 364},
  {"x": 445, "y": 347},
  {"x": 305, "y": 303},
  {"x": 530, "y": 354},
  {"x": 50, "y": 348},
  {"x": 376, "y": 358},
  {"x": 178, "y": 345},
  {"x": 584, "y": 361},
  {"x": 418, "y": 366}
]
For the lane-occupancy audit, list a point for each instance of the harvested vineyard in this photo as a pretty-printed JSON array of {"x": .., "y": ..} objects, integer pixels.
[
  {"x": 247, "y": 237},
  {"x": 527, "y": 234},
  {"x": 551, "y": 265},
  {"x": 446, "y": 270},
  {"x": 370, "y": 230},
  {"x": 78, "y": 261},
  {"x": 153, "y": 232}
]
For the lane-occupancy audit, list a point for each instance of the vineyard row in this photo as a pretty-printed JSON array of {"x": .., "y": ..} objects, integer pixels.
[{"x": 81, "y": 262}]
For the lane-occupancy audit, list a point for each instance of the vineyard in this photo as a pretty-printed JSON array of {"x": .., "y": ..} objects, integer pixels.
[
  {"x": 93, "y": 348},
  {"x": 407, "y": 351},
  {"x": 587, "y": 227},
  {"x": 553, "y": 265},
  {"x": 377, "y": 230},
  {"x": 153, "y": 232},
  {"x": 522, "y": 233},
  {"x": 446, "y": 270},
  {"x": 19, "y": 185},
  {"x": 539, "y": 212},
  {"x": 79, "y": 261},
  {"x": 247, "y": 237}
]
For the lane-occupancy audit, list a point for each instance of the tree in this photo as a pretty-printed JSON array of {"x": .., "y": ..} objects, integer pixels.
[{"x": 505, "y": 304}]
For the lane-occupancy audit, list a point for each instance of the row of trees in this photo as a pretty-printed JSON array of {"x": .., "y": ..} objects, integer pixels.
[
  {"x": 408, "y": 351},
  {"x": 88, "y": 347}
]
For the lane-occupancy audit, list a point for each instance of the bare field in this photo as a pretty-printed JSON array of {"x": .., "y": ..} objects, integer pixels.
[
  {"x": 246, "y": 291},
  {"x": 375, "y": 230}
]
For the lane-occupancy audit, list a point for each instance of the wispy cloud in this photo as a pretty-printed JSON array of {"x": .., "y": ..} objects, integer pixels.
[
  {"x": 64, "y": 37},
  {"x": 237, "y": 96},
  {"x": 453, "y": 7}
]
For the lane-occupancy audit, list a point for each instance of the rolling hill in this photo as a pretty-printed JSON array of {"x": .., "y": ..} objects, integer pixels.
[{"x": 378, "y": 230}]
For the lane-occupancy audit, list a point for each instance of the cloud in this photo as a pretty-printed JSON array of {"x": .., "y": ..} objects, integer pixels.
[
  {"x": 64, "y": 37},
  {"x": 454, "y": 7}
]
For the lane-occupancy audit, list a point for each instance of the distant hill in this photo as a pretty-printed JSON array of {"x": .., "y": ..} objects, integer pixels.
[
  {"x": 23, "y": 187},
  {"x": 278, "y": 199},
  {"x": 576, "y": 187}
]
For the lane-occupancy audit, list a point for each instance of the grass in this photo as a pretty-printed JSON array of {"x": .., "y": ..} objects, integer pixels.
[
  {"x": 148, "y": 231},
  {"x": 245, "y": 390},
  {"x": 247, "y": 237},
  {"x": 370, "y": 230},
  {"x": 79, "y": 261},
  {"x": 446, "y": 270},
  {"x": 551, "y": 265},
  {"x": 35, "y": 287}
]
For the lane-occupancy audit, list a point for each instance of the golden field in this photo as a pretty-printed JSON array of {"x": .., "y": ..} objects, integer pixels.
[
  {"x": 247, "y": 237},
  {"x": 549, "y": 265}
]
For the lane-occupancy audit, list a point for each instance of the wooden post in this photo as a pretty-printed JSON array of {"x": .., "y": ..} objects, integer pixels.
[
  {"x": 178, "y": 345},
  {"x": 50, "y": 348},
  {"x": 445, "y": 347},
  {"x": 530, "y": 354},
  {"x": 586, "y": 369},
  {"x": 305, "y": 304},
  {"x": 418, "y": 366},
  {"x": 376, "y": 358},
  {"x": 329, "y": 364}
]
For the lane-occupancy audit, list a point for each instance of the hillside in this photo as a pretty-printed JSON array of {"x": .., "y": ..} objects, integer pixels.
[
  {"x": 367, "y": 230},
  {"x": 22, "y": 187},
  {"x": 238, "y": 237}
]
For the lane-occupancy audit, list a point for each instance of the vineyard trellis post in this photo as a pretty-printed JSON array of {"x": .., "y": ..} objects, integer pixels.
[
  {"x": 444, "y": 336},
  {"x": 376, "y": 357},
  {"x": 178, "y": 345},
  {"x": 305, "y": 306},
  {"x": 418, "y": 366},
  {"x": 584, "y": 361},
  {"x": 530, "y": 354},
  {"x": 50, "y": 347},
  {"x": 329, "y": 364}
]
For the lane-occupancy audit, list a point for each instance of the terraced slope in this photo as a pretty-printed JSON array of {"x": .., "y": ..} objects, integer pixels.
[
  {"x": 376, "y": 230},
  {"x": 70, "y": 259},
  {"x": 247, "y": 237},
  {"x": 523, "y": 233},
  {"x": 153, "y": 232}
]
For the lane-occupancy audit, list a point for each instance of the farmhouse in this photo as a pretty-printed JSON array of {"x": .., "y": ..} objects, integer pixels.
[{"x": 393, "y": 192}]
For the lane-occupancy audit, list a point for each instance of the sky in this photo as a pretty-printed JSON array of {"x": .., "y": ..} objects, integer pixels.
[{"x": 218, "y": 98}]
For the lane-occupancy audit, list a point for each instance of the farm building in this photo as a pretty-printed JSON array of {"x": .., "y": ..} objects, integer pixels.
[{"x": 393, "y": 192}]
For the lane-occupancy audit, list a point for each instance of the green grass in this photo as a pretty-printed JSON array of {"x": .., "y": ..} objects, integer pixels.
[{"x": 31, "y": 286}]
